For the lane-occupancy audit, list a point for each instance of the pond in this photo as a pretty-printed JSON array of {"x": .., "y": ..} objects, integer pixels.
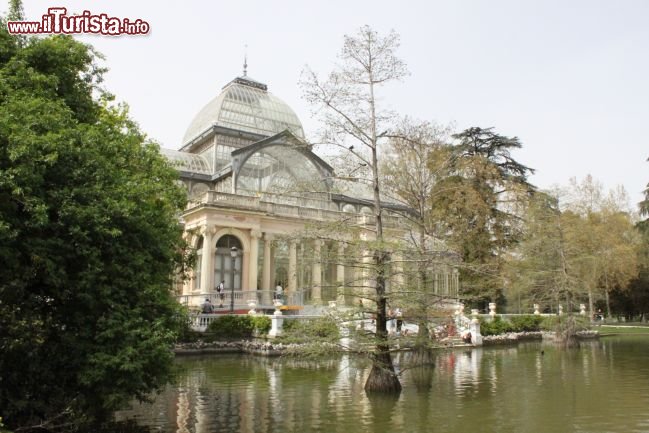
[{"x": 602, "y": 386}]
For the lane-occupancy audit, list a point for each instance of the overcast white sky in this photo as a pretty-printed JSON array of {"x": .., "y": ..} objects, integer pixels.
[{"x": 569, "y": 78}]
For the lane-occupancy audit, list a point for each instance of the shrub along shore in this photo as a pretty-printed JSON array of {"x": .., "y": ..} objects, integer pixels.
[{"x": 249, "y": 334}]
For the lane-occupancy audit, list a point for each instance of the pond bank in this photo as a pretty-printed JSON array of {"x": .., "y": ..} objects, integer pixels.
[
  {"x": 515, "y": 337},
  {"x": 264, "y": 347},
  {"x": 252, "y": 347}
]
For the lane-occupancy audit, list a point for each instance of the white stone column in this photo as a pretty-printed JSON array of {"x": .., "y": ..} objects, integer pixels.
[
  {"x": 340, "y": 274},
  {"x": 254, "y": 259},
  {"x": 245, "y": 269},
  {"x": 292, "y": 267},
  {"x": 316, "y": 273},
  {"x": 265, "y": 276},
  {"x": 207, "y": 261}
]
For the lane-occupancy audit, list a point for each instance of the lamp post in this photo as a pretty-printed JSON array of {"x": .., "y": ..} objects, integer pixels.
[{"x": 233, "y": 253}]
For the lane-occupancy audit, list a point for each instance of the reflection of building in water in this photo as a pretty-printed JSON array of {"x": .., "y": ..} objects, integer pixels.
[
  {"x": 538, "y": 363},
  {"x": 467, "y": 370},
  {"x": 349, "y": 377},
  {"x": 252, "y": 179},
  {"x": 247, "y": 395},
  {"x": 182, "y": 421}
]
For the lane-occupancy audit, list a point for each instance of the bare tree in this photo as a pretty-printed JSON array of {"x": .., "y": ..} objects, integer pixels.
[
  {"x": 348, "y": 106},
  {"x": 417, "y": 157}
]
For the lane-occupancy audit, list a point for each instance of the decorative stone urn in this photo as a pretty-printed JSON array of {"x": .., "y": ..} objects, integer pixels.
[
  {"x": 276, "y": 320},
  {"x": 474, "y": 315},
  {"x": 536, "y": 309},
  {"x": 252, "y": 303},
  {"x": 582, "y": 309},
  {"x": 492, "y": 309}
]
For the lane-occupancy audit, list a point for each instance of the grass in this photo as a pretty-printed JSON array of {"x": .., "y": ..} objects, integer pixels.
[{"x": 605, "y": 330}]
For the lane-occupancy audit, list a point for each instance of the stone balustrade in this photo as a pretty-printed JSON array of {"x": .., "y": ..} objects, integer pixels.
[
  {"x": 242, "y": 298},
  {"x": 294, "y": 207},
  {"x": 200, "y": 322}
]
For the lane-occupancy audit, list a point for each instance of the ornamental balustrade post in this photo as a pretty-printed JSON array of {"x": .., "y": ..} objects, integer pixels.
[{"x": 474, "y": 328}]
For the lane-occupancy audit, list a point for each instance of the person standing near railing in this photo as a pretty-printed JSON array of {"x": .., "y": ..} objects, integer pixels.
[
  {"x": 279, "y": 292},
  {"x": 220, "y": 289}
]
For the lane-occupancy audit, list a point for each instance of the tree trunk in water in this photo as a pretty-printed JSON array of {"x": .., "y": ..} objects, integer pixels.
[
  {"x": 566, "y": 332},
  {"x": 382, "y": 377}
]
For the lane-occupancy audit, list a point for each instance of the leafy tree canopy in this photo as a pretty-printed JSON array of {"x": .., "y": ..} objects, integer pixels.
[{"x": 89, "y": 241}]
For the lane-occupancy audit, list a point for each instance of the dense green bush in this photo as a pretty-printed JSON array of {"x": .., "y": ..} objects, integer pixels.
[
  {"x": 238, "y": 326},
  {"x": 533, "y": 323},
  {"x": 299, "y": 330},
  {"x": 261, "y": 324},
  {"x": 527, "y": 323},
  {"x": 495, "y": 327}
]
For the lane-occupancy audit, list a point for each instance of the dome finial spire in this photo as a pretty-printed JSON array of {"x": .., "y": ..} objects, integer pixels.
[{"x": 245, "y": 61}]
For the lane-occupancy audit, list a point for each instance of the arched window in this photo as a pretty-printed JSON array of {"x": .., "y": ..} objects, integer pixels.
[
  {"x": 225, "y": 267},
  {"x": 199, "y": 260}
]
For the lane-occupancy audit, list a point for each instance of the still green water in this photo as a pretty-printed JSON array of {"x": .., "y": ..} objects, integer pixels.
[{"x": 602, "y": 386}]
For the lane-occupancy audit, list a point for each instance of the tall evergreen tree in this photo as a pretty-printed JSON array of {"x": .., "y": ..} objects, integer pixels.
[{"x": 479, "y": 203}]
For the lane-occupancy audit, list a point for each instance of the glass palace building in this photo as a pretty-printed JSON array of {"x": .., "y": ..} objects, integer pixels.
[{"x": 262, "y": 206}]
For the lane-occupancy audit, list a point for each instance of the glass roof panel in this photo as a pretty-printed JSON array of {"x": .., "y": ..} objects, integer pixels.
[
  {"x": 280, "y": 169},
  {"x": 187, "y": 161}
]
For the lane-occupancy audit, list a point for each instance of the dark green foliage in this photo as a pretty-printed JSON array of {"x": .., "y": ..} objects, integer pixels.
[
  {"x": 496, "y": 326},
  {"x": 89, "y": 241},
  {"x": 311, "y": 330},
  {"x": 185, "y": 332},
  {"x": 527, "y": 323},
  {"x": 532, "y": 323},
  {"x": 238, "y": 326},
  {"x": 633, "y": 301}
]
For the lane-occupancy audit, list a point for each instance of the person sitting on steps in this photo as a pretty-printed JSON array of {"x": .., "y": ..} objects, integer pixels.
[{"x": 207, "y": 307}]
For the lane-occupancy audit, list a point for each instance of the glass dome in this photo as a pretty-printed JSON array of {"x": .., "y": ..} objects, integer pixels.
[
  {"x": 187, "y": 161},
  {"x": 246, "y": 105}
]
